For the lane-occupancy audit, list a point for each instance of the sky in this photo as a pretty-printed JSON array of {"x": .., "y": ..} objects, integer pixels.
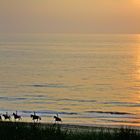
[{"x": 69, "y": 16}]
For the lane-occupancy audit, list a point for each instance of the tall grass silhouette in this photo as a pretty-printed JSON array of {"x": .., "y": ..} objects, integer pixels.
[{"x": 36, "y": 131}]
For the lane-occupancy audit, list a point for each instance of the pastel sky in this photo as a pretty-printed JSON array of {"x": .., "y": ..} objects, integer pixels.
[{"x": 70, "y": 16}]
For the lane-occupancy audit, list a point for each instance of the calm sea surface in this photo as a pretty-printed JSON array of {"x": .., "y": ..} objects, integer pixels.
[{"x": 86, "y": 79}]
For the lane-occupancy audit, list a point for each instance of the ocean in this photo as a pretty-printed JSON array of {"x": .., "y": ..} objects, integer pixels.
[{"x": 88, "y": 79}]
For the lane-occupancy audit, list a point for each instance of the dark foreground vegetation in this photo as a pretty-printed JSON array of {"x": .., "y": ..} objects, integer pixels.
[{"x": 31, "y": 131}]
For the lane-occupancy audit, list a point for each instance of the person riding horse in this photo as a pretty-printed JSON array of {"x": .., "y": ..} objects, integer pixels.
[
  {"x": 16, "y": 117},
  {"x": 6, "y": 116},
  {"x": 35, "y": 117},
  {"x": 57, "y": 119}
]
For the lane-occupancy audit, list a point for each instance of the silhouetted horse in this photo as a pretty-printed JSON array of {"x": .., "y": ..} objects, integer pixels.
[
  {"x": 35, "y": 117},
  {"x": 16, "y": 117},
  {"x": 57, "y": 119},
  {"x": 6, "y": 116}
]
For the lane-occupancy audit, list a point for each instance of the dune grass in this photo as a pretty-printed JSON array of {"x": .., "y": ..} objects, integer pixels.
[{"x": 31, "y": 131}]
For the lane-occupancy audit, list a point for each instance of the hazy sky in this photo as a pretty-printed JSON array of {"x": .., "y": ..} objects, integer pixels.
[{"x": 78, "y": 16}]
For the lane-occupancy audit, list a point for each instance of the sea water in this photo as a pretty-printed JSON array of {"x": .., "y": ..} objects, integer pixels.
[{"x": 87, "y": 79}]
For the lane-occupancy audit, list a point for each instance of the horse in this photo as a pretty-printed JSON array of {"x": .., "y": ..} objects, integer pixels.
[
  {"x": 16, "y": 116},
  {"x": 57, "y": 119},
  {"x": 35, "y": 117},
  {"x": 6, "y": 116}
]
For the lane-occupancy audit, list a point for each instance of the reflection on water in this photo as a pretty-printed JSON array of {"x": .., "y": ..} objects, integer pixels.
[
  {"x": 137, "y": 63},
  {"x": 94, "y": 79}
]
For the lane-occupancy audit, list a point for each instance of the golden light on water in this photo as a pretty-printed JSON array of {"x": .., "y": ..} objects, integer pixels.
[
  {"x": 84, "y": 74},
  {"x": 136, "y": 72},
  {"x": 137, "y": 63}
]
